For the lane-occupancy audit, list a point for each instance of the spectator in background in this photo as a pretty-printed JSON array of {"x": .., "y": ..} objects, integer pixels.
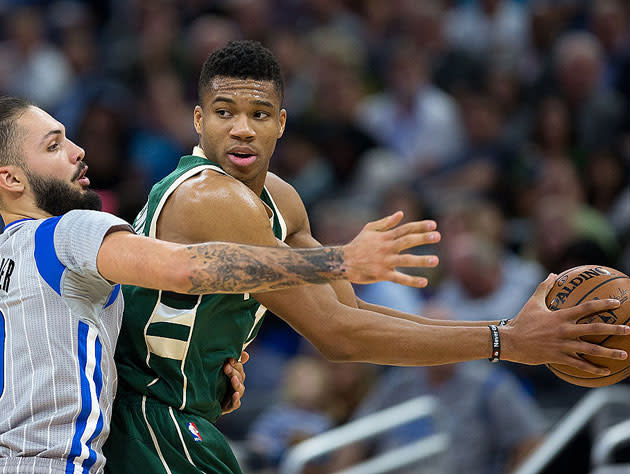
[
  {"x": 350, "y": 384},
  {"x": 561, "y": 216},
  {"x": 608, "y": 21},
  {"x": 481, "y": 281},
  {"x": 379, "y": 23},
  {"x": 490, "y": 435},
  {"x": 300, "y": 415},
  {"x": 74, "y": 23},
  {"x": 166, "y": 130},
  {"x": 480, "y": 272},
  {"x": 552, "y": 139},
  {"x": 605, "y": 176},
  {"x": 554, "y": 133},
  {"x": 546, "y": 22},
  {"x": 30, "y": 65},
  {"x": 304, "y": 166},
  {"x": 478, "y": 169},
  {"x": 295, "y": 58},
  {"x": 598, "y": 111},
  {"x": 206, "y": 33},
  {"x": 330, "y": 14},
  {"x": 101, "y": 130},
  {"x": 505, "y": 89},
  {"x": 497, "y": 28},
  {"x": 337, "y": 59},
  {"x": 414, "y": 119},
  {"x": 151, "y": 44},
  {"x": 252, "y": 17}
]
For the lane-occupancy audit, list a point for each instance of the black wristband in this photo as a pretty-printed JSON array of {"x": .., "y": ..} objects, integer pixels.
[
  {"x": 504, "y": 322},
  {"x": 496, "y": 343}
]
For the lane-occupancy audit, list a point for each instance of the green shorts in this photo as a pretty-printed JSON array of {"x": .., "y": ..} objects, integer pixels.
[{"x": 150, "y": 437}]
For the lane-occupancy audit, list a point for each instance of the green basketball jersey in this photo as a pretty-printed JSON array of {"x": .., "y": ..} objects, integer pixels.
[{"x": 172, "y": 346}]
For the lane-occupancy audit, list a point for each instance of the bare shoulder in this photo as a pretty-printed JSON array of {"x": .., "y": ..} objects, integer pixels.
[
  {"x": 212, "y": 206},
  {"x": 289, "y": 202},
  {"x": 279, "y": 188}
]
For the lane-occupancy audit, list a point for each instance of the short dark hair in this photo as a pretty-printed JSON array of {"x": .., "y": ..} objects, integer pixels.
[
  {"x": 242, "y": 59},
  {"x": 11, "y": 109}
]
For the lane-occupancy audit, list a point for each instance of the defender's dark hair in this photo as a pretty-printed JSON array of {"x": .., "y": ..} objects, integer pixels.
[
  {"x": 243, "y": 60},
  {"x": 11, "y": 109}
]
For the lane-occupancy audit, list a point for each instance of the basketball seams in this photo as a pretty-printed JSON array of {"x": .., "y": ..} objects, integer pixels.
[
  {"x": 603, "y": 283},
  {"x": 607, "y": 338}
]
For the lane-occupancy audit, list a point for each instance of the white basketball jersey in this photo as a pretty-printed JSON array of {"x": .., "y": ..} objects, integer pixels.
[{"x": 59, "y": 320}]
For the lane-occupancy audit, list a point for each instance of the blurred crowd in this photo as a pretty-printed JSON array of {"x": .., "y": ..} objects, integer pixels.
[{"x": 506, "y": 121}]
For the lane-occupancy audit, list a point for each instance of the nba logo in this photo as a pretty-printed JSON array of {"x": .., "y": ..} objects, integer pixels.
[{"x": 194, "y": 431}]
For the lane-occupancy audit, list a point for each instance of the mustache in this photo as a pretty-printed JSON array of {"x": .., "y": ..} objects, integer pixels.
[{"x": 80, "y": 169}]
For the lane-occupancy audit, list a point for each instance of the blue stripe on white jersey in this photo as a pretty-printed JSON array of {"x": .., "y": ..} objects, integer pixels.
[
  {"x": 89, "y": 423},
  {"x": 98, "y": 385},
  {"x": 113, "y": 296},
  {"x": 48, "y": 264}
]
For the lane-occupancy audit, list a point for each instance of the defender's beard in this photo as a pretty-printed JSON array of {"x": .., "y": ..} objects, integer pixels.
[{"x": 57, "y": 197}]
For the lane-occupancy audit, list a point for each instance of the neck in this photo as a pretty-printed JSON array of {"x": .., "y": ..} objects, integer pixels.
[
  {"x": 15, "y": 215},
  {"x": 256, "y": 185}
]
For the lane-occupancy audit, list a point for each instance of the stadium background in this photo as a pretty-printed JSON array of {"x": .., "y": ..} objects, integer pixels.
[{"x": 506, "y": 121}]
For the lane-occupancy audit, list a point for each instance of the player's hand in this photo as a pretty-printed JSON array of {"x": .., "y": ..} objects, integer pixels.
[
  {"x": 374, "y": 254},
  {"x": 234, "y": 370},
  {"x": 538, "y": 335}
]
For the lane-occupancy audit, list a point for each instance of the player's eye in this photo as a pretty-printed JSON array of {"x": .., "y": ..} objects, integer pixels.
[
  {"x": 223, "y": 113},
  {"x": 261, "y": 114},
  {"x": 53, "y": 147}
]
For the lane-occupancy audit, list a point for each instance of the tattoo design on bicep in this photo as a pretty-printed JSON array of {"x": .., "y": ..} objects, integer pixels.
[{"x": 234, "y": 268}]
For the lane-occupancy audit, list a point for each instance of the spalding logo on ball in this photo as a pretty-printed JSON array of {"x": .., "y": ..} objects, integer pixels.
[
  {"x": 591, "y": 282},
  {"x": 566, "y": 288}
]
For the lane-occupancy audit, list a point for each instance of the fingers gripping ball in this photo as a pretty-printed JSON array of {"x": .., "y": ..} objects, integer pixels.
[{"x": 589, "y": 282}]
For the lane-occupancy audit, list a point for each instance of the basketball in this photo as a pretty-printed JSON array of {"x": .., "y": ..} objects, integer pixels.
[{"x": 589, "y": 282}]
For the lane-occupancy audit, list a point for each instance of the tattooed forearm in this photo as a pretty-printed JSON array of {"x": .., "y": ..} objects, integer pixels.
[{"x": 234, "y": 268}]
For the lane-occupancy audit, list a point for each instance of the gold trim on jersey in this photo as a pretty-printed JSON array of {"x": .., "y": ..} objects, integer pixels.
[{"x": 167, "y": 347}]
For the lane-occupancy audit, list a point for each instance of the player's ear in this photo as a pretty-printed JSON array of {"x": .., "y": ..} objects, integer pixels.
[
  {"x": 198, "y": 118},
  {"x": 12, "y": 179},
  {"x": 282, "y": 118}
]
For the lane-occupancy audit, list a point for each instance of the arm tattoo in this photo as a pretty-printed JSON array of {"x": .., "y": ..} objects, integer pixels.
[{"x": 234, "y": 268}]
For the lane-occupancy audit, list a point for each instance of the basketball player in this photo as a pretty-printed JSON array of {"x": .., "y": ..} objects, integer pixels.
[
  {"x": 172, "y": 346},
  {"x": 60, "y": 304}
]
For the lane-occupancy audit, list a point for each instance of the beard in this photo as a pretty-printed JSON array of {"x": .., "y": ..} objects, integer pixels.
[{"x": 56, "y": 197}]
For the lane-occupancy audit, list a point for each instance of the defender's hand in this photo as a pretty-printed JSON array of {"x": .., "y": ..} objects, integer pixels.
[
  {"x": 374, "y": 253},
  {"x": 538, "y": 335},
  {"x": 234, "y": 369}
]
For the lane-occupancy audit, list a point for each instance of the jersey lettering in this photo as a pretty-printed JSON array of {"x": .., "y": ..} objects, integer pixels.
[{"x": 6, "y": 269}]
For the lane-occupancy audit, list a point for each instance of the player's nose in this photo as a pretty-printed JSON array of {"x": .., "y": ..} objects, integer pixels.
[
  {"x": 76, "y": 152},
  {"x": 242, "y": 128}
]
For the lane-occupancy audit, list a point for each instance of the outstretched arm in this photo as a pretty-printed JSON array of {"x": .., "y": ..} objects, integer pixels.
[
  {"x": 536, "y": 335},
  {"x": 234, "y": 268}
]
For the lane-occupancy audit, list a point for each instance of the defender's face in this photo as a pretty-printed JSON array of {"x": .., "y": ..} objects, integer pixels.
[
  {"x": 48, "y": 152},
  {"x": 239, "y": 122}
]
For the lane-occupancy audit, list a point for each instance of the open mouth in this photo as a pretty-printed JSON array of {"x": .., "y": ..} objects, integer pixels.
[
  {"x": 81, "y": 178},
  {"x": 242, "y": 158}
]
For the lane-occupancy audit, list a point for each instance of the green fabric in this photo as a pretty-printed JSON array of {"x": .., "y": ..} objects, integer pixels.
[{"x": 131, "y": 449}]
